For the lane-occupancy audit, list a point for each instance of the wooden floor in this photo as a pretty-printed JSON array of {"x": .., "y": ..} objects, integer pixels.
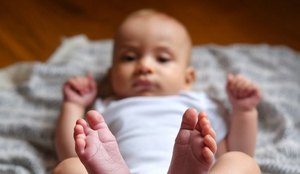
[{"x": 30, "y": 30}]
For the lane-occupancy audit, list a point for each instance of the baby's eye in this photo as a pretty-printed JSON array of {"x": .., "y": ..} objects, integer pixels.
[
  {"x": 128, "y": 58},
  {"x": 163, "y": 60}
]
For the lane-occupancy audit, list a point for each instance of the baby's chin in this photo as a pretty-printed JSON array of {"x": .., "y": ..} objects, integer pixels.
[
  {"x": 147, "y": 93},
  {"x": 154, "y": 94}
]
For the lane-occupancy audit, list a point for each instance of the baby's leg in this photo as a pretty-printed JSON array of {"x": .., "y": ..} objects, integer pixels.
[
  {"x": 71, "y": 165},
  {"x": 195, "y": 145},
  {"x": 235, "y": 163},
  {"x": 96, "y": 147}
]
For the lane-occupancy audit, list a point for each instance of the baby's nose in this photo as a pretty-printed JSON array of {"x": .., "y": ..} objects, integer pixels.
[{"x": 145, "y": 66}]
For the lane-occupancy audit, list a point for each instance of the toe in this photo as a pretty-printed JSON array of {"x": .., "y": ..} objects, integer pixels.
[
  {"x": 208, "y": 130},
  {"x": 79, "y": 138},
  {"x": 81, "y": 122},
  {"x": 210, "y": 143},
  {"x": 80, "y": 145},
  {"x": 202, "y": 121},
  {"x": 79, "y": 131},
  {"x": 208, "y": 155},
  {"x": 95, "y": 120},
  {"x": 189, "y": 119}
]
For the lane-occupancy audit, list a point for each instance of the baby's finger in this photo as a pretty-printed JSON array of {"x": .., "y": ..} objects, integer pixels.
[
  {"x": 244, "y": 89},
  {"x": 254, "y": 91},
  {"x": 230, "y": 81},
  {"x": 74, "y": 84},
  {"x": 91, "y": 82},
  {"x": 82, "y": 84},
  {"x": 89, "y": 76},
  {"x": 239, "y": 86},
  {"x": 241, "y": 81},
  {"x": 248, "y": 90}
]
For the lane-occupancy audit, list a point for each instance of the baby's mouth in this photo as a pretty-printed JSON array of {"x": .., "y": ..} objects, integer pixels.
[{"x": 143, "y": 85}]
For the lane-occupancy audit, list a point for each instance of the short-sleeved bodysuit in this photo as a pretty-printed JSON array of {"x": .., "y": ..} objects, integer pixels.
[{"x": 146, "y": 127}]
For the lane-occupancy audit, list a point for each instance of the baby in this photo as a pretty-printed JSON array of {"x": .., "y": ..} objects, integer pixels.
[{"x": 151, "y": 99}]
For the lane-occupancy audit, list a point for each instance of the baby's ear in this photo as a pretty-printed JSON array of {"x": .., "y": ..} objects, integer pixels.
[{"x": 190, "y": 76}]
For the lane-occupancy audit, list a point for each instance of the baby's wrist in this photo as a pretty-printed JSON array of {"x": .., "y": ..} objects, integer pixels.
[
  {"x": 73, "y": 107},
  {"x": 73, "y": 104},
  {"x": 244, "y": 111}
]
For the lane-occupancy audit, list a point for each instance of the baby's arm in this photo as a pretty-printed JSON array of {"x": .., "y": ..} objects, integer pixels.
[
  {"x": 78, "y": 94},
  {"x": 244, "y": 96}
]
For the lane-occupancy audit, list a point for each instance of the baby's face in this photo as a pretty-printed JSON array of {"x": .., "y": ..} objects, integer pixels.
[{"x": 151, "y": 58}]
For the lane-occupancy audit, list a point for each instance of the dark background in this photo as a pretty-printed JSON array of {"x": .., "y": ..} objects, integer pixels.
[{"x": 30, "y": 30}]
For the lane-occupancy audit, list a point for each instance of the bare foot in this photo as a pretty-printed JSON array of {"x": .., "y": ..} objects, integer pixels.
[
  {"x": 97, "y": 147},
  {"x": 195, "y": 145}
]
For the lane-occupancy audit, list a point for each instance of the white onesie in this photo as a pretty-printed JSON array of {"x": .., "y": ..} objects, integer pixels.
[{"x": 146, "y": 127}]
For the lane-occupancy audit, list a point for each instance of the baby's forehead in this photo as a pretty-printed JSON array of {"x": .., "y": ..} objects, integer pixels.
[
  {"x": 154, "y": 21},
  {"x": 160, "y": 19}
]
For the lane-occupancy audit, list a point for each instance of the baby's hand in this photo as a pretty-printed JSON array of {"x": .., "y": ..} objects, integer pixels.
[
  {"x": 80, "y": 90},
  {"x": 243, "y": 94}
]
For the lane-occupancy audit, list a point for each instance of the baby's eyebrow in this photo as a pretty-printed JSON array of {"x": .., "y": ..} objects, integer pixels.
[
  {"x": 164, "y": 48},
  {"x": 129, "y": 44},
  {"x": 124, "y": 48}
]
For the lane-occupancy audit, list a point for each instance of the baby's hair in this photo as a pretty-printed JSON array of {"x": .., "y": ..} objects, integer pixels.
[
  {"x": 150, "y": 13},
  {"x": 144, "y": 12}
]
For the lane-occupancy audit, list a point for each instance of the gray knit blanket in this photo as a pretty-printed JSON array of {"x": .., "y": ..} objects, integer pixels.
[{"x": 30, "y": 98}]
